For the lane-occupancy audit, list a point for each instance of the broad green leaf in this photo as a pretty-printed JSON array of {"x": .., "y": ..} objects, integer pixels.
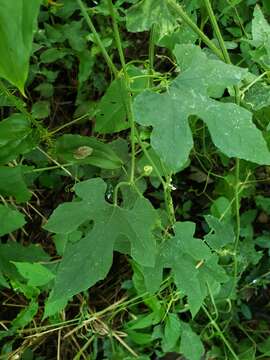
[
  {"x": 143, "y": 15},
  {"x": 18, "y": 20},
  {"x": 10, "y": 220},
  {"x": 111, "y": 115},
  {"x": 230, "y": 126},
  {"x": 86, "y": 150},
  {"x": 36, "y": 274},
  {"x": 191, "y": 346},
  {"x": 12, "y": 183},
  {"x": 111, "y": 112},
  {"x": 15, "y": 137},
  {"x": 221, "y": 233},
  {"x": 195, "y": 268},
  {"x": 89, "y": 259}
]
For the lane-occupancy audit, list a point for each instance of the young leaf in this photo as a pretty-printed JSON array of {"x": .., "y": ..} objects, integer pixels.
[
  {"x": 16, "y": 36},
  {"x": 195, "y": 268},
  {"x": 36, "y": 274},
  {"x": 10, "y": 220},
  {"x": 89, "y": 259},
  {"x": 191, "y": 346},
  {"x": 223, "y": 233},
  {"x": 230, "y": 126}
]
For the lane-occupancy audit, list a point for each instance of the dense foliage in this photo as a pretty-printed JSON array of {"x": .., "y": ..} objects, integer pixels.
[{"x": 134, "y": 172}]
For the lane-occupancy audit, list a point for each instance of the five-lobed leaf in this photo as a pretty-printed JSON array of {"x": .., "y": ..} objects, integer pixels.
[
  {"x": 200, "y": 78},
  {"x": 194, "y": 266},
  {"x": 89, "y": 259}
]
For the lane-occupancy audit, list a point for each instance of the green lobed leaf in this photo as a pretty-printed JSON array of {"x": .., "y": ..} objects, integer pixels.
[
  {"x": 16, "y": 36},
  {"x": 89, "y": 259},
  {"x": 194, "y": 266},
  {"x": 230, "y": 126},
  {"x": 10, "y": 220},
  {"x": 222, "y": 233}
]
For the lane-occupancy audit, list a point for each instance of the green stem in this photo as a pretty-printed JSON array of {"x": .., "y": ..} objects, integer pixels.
[
  {"x": 237, "y": 217},
  {"x": 48, "y": 168},
  {"x": 226, "y": 56},
  {"x": 98, "y": 39},
  {"x": 227, "y": 59},
  {"x": 166, "y": 186},
  {"x": 183, "y": 15},
  {"x": 129, "y": 105},
  {"x": 72, "y": 122},
  {"x": 116, "y": 190},
  {"x": 220, "y": 333},
  {"x": 151, "y": 56},
  {"x": 217, "y": 31}
]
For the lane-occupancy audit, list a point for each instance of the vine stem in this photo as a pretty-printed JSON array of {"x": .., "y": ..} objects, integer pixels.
[
  {"x": 220, "y": 333},
  {"x": 227, "y": 59},
  {"x": 98, "y": 39},
  {"x": 151, "y": 56},
  {"x": 129, "y": 105},
  {"x": 184, "y": 16},
  {"x": 165, "y": 185}
]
